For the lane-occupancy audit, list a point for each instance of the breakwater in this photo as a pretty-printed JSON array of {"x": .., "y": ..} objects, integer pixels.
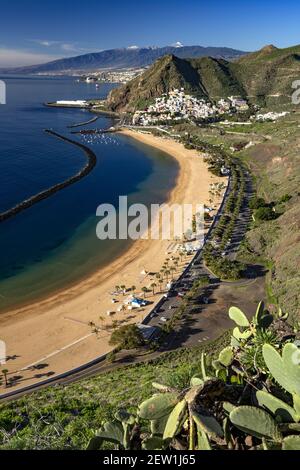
[
  {"x": 94, "y": 119},
  {"x": 111, "y": 130},
  {"x": 26, "y": 203},
  {"x": 58, "y": 105}
]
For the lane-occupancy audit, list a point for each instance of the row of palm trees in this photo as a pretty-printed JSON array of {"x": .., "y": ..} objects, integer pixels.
[{"x": 167, "y": 271}]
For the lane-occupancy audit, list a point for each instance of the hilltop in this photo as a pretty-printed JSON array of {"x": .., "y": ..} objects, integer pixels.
[
  {"x": 257, "y": 76},
  {"x": 206, "y": 77}
]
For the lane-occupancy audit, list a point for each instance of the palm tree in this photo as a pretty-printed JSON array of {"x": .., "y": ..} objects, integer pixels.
[
  {"x": 153, "y": 285},
  {"x": 117, "y": 288},
  {"x": 161, "y": 283},
  {"x": 101, "y": 319},
  {"x": 5, "y": 372},
  {"x": 158, "y": 276},
  {"x": 94, "y": 327},
  {"x": 133, "y": 289},
  {"x": 168, "y": 272},
  {"x": 123, "y": 289},
  {"x": 144, "y": 290},
  {"x": 173, "y": 270},
  {"x": 115, "y": 324}
]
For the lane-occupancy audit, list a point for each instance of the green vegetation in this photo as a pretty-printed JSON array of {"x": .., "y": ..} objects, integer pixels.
[
  {"x": 64, "y": 417},
  {"x": 223, "y": 268},
  {"x": 127, "y": 337},
  {"x": 246, "y": 398},
  {"x": 265, "y": 213}
]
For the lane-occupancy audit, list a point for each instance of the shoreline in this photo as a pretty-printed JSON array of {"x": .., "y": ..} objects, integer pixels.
[{"x": 56, "y": 329}]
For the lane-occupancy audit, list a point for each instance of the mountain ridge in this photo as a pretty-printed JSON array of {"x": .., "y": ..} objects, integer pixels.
[
  {"x": 124, "y": 58},
  {"x": 267, "y": 72}
]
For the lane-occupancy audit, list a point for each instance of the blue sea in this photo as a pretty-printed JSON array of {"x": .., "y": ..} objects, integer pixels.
[{"x": 53, "y": 244}]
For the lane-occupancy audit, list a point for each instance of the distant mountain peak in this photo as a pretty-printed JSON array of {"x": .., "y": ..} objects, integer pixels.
[
  {"x": 268, "y": 48},
  {"x": 177, "y": 44},
  {"x": 131, "y": 57}
]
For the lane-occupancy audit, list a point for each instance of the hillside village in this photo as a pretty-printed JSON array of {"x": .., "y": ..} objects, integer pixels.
[{"x": 177, "y": 105}]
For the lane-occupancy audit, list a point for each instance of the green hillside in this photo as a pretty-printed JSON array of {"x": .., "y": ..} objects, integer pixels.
[
  {"x": 269, "y": 71},
  {"x": 65, "y": 417},
  {"x": 259, "y": 75},
  {"x": 204, "y": 78},
  {"x": 275, "y": 166},
  {"x": 273, "y": 159}
]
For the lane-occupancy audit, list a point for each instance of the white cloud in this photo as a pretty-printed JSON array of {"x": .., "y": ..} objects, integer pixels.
[
  {"x": 69, "y": 47},
  {"x": 46, "y": 43},
  {"x": 62, "y": 45},
  {"x": 133, "y": 47},
  {"x": 19, "y": 58}
]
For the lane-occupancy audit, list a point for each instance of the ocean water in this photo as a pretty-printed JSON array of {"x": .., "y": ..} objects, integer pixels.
[{"x": 54, "y": 243}]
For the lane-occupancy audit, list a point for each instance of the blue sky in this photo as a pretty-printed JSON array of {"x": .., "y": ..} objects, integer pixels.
[{"x": 34, "y": 31}]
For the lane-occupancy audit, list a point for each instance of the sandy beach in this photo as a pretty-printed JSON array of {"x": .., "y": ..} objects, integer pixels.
[{"x": 54, "y": 335}]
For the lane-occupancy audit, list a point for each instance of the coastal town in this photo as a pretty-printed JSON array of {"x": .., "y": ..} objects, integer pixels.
[
  {"x": 113, "y": 76},
  {"x": 177, "y": 105}
]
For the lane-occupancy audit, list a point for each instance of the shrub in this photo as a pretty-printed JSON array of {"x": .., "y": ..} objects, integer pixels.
[
  {"x": 127, "y": 337},
  {"x": 285, "y": 198},
  {"x": 257, "y": 202},
  {"x": 265, "y": 213}
]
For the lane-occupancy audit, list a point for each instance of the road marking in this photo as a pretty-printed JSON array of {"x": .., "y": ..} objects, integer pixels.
[{"x": 57, "y": 351}]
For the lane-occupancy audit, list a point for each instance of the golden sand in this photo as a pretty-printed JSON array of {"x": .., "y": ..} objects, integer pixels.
[{"x": 55, "y": 333}]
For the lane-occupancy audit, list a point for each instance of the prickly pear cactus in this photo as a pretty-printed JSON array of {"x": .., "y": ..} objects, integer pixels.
[
  {"x": 286, "y": 368},
  {"x": 259, "y": 313},
  {"x": 281, "y": 410},
  {"x": 176, "y": 420},
  {"x": 207, "y": 424},
  {"x": 241, "y": 335},
  {"x": 238, "y": 317},
  {"x": 256, "y": 422},
  {"x": 226, "y": 356},
  {"x": 158, "y": 405},
  {"x": 291, "y": 443}
]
